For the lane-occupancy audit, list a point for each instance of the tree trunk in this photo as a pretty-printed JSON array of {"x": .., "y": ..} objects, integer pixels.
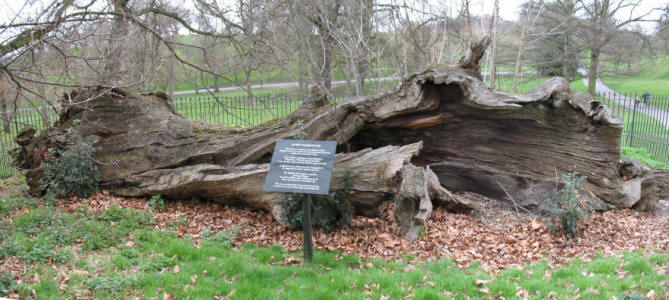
[
  {"x": 592, "y": 72},
  {"x": 170, "y": 78},
  {"x": 6, "y": 123},
  {"x": 247, "y": 87},
  {"x": 519, "y": 57},
  {"x": 326, "y": 67},
  {"x": 471, "y": 137},
  {"x": 119, "y": 32},
  {"x": 566, "y": 58}
]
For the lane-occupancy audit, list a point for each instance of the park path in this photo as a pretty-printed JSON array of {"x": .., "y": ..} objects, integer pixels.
[
  {"x": 600, "y": 88},
  {"x": 281, "y": 85},
  {"x": 276, "y": 85}
]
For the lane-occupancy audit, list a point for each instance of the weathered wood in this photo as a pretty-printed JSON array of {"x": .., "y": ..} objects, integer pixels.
[
  {"x": 373, "y": 171},
  {"x": 473, "y": 137},
  {"x": 474, "y": 54}
]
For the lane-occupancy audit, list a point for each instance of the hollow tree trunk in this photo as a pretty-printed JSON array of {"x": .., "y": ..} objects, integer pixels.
[{"x": 473, "y": 139}]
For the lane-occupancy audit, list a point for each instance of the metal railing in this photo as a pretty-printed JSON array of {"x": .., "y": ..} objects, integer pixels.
[
  {"x": 645, "y": 121},
  {"x": 240, "y": 111}
]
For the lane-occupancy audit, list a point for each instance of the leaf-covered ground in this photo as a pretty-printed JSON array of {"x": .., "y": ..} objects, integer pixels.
[
  {"x": 111, "y": 247},
  {"x": 495, "y": 237}
]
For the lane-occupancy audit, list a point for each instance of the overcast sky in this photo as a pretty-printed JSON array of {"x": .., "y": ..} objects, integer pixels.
[{"x": 509, "y": 9}]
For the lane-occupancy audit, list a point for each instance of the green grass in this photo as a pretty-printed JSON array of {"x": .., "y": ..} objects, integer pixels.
[
  {"x": 644, "y": 156},
  {"x": 652, "y": 76},
  {"x": 642, "y": 131},
  {"x": 505, "y": 83},
  {"x": 160, "y": 263}
]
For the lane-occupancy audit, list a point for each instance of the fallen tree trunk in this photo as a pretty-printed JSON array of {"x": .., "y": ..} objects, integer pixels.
[{"x": 474, "y": 139}]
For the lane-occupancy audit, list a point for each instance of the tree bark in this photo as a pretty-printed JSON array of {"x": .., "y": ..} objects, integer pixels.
[
  {"x": 119, "y": 32},
  {"x": 592, "y": 72}
]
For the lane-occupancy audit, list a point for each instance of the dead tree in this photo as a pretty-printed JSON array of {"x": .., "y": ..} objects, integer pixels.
[{"x": 446, "y": 125}]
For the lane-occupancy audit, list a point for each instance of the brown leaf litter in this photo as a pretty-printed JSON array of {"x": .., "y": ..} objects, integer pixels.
[{"x": 495, "y": 236}]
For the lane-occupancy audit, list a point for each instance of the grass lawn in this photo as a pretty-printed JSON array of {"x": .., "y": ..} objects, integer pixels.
[
  {"x": 117, "y": 253},
  {"x": 641, "y": 130},
  {"x": 652, "y": 76},
  {"x": 505, "y": 83}
]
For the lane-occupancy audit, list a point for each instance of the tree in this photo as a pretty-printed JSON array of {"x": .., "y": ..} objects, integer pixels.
[
  {"x": 244, "y": 48},
  {"x": 662, "y": 32},
  {"x": 624, "y": 49},
  {"x": 354, "y": 38},
  {"x": 600, "y": 24},
  {"x": 554, "y": 48}
]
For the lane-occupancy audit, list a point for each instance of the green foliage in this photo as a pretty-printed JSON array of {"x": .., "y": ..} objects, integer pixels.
[
  {"x": 223, "y": 238},
  {"x": 6, "y": 283},
  {"x": 4, "y": 174},
  {"x": 157, "y": 202},
  {"x": 7, "y": 204},
  {"x": 111, "y": 284},
  {"x": 40, "y": 234},
  {"x": 631, "y": 296},
  {"x": 644, "y": 156},
  {"x": 70, "y": 169},
  {"x": 327, "y": 212},
  {"x": 565, "y": 205},
  {"x": 112, "y": 227}
]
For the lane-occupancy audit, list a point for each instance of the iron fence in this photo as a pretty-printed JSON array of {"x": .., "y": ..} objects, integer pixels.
[{"x": 646, "y": 123}]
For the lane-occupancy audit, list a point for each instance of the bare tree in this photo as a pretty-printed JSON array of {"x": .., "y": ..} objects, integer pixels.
[
  {"x": 601, "y": 23},
  {"x": 532, "y": 10}
]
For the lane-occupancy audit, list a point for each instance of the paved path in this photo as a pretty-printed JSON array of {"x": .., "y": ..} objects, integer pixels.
[
  {"x": 276, "y": 85},
  {"x": 627, "y": 102},
  {"x": 281, "y": 85}
]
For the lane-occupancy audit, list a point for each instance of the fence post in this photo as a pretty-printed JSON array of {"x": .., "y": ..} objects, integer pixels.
[{"x": 634, "y": 108}]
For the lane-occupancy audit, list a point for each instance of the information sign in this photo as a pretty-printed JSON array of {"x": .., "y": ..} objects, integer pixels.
[{"x": 301, "y": 166}]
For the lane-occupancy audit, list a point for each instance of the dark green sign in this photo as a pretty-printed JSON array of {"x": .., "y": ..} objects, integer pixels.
[{"x": 300, "y": 166}]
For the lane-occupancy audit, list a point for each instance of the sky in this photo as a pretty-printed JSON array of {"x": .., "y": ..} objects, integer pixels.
[{"x": 509, "y": 9}]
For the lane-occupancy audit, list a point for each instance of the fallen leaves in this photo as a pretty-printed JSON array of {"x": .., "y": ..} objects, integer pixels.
[
  {"x": 481, "y": 282},
  {"x": 495, "y": 236}
]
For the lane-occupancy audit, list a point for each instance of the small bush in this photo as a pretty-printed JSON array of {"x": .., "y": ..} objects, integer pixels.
[
  {"x": 631, "y": 296},
  {"x": 156, "y": 202},
  {"x": 70, "y": 170},
  {"x": 327, "y": 212},
  {"x": 566, "y": 207},
  {"x": 6, "y": 283}
]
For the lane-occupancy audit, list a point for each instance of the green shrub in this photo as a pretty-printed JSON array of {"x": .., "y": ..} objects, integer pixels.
[
  {"x": 631, "y": 296},
  {"x": 566, "y": 207},
  {"x": 326, "y": 211},
  {"x": 70, "y": 169},
  {"x": 6, "y": 283},
  {"x": 156, "y": 202}
]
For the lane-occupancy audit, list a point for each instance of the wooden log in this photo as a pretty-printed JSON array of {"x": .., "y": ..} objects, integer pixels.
[{"x": 473, "y": 137}]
